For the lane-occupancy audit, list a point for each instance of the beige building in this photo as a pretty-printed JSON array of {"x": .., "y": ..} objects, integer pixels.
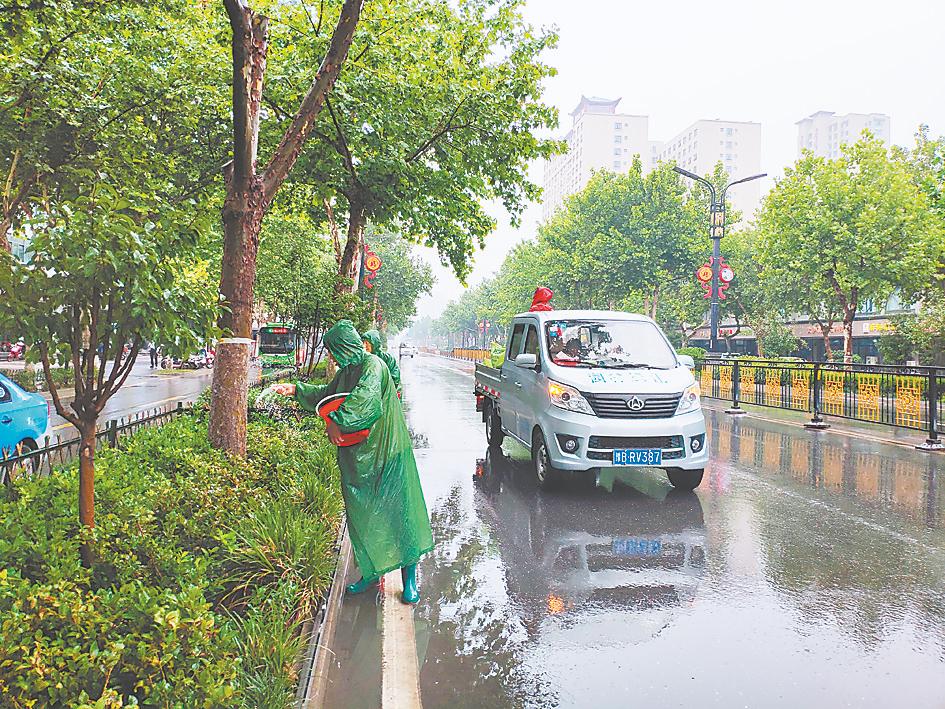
[
  {"x": 824, "y": 132},
  {"x": 599, "y": 139},
  {"x": 602, "y": 139},
  {"x": 736, "y": 144}
]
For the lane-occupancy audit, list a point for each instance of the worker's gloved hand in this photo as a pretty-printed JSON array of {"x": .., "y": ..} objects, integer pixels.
[{"x": 284, "y": 389}]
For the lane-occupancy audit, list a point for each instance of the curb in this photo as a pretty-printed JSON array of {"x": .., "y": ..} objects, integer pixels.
[
  {"x": 400, "y": 674},
  {"x": 313, "y": 680}
]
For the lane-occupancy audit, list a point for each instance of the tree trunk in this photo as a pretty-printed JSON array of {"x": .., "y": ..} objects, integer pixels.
[
  {"x": 350, "y": 267},
  {"x": 249, "y": 192},
  {"x": 848, "y": 335},
  {"x": 87, "y": 485},
  {"x": 242, "y": 220}
]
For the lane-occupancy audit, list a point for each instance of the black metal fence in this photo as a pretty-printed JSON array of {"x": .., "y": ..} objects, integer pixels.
[
  {"x": 58, "y": 451},
  {"x": 61, "y": 450},
  {"x": 908, "y": 397}
]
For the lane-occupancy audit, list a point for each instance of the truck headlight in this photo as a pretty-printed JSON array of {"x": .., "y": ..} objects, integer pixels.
[
  {"x": 689, "y": 400},
  {"x": 569, "y": 398}
]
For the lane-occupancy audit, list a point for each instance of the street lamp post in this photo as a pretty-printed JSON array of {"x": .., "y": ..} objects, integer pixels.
[{"x": 716, "y": 232}]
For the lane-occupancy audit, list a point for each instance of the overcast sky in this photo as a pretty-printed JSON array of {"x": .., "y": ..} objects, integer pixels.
[{"x": 746, "y": 60}]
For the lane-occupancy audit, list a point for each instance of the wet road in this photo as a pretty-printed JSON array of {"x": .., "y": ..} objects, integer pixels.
[
  {"x": 808, "y": 570},
  {"x": 143, "y": 391}
]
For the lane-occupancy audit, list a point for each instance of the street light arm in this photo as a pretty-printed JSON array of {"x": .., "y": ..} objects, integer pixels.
[
  {"x": 738, "y": 182},
  {"x": 697, "y": 178}
]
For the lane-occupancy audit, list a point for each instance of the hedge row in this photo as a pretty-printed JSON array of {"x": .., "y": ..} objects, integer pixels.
[{"x": 205, "y": 569}]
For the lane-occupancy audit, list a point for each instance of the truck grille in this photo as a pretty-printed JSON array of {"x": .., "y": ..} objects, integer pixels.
[
  {"x": 611, "y": 442},
  {"x": 614, "y": 406}
]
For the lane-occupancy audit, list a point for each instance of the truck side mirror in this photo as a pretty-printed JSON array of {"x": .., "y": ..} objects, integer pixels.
[
  {"x": 686, "y": 361},
  {"x": 526, "y": 361}
]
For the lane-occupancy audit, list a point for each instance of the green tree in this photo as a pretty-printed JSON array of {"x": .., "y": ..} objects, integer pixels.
[
  {"x": 853, "y": 229},
  {"x": 89, "y": 88},
  {"x": 438, "y": 111},
  {"x": 106, "y": 275},
  {"x": 403, "y": 278}
]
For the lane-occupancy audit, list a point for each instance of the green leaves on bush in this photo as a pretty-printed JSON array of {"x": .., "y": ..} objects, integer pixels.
[{"x": 205, "y": 569}]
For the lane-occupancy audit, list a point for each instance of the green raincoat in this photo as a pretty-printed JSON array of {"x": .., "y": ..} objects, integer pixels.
[
  {"x": 387, "y": 515},
  {"x": 374, "y": 337}
]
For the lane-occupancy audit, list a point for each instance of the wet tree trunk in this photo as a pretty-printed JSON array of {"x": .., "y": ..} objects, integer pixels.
[
  {"x": 349, "y": 269},
  {"x": 87, "y": 486},
  {"x": 249, "y": 193}
]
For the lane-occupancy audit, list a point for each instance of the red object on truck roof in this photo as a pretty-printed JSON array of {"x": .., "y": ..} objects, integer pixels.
[{"x": 541, "y": 301}]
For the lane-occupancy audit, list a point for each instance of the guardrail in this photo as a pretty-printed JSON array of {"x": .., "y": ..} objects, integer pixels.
[
  {"x": 907, "y": 397},
  {"x": 58, "y": 451},
  {"x": 471, "y": 355}
]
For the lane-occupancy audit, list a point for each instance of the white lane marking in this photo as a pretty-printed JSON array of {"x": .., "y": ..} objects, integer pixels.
[{"x": 400, "y": 675}]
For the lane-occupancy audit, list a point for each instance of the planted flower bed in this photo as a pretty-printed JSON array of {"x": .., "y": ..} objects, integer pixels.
[{"x": 205, "y": 570}]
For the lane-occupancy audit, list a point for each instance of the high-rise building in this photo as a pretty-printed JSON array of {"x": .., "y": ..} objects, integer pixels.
[
  {"x": 602, "y": 139},
  {"x": 824, "y": 132},
  {"x": 599, "y": 139},
  {"x": 736, "y": 144}
]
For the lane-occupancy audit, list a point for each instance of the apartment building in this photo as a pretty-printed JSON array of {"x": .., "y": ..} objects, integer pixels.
[
  {"x": 736, "y": 144},
  {"x": 603, "y": 139},
  {"x": 824, "y": 132},
  {"x": 600, "y": 139}
]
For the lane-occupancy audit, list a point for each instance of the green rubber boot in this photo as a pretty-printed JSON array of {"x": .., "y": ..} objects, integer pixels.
[
  {"x": 411, "y": 591},
  {"x": 361, "y": 585}
]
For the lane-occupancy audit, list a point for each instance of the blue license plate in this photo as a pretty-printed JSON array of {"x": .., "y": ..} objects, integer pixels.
[
  {"x": 638, "y": 456},
  {"x": 636, "y": 547}
]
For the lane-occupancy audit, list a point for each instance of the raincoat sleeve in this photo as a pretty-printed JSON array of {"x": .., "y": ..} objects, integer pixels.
[
  {"x": 308, "y": 395},
  {"x": 364, "y": 405},
  {"x": 392, "y": 366}
]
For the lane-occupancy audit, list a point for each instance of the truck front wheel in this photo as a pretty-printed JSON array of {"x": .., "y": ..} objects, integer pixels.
[
  {"x": 546, "y": 475},
  {"x": 684, "y": 479},
  {"x": 494, "y": 433}
]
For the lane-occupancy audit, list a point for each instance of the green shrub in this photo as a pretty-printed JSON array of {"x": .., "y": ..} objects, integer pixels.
[
  {"x": 199, "y": 557},
  {"x": 36, "y": 380},
  {"x": 697, "y": 353}
]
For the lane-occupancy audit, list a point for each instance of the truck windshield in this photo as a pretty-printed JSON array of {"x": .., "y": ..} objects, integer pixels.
[{"x": 615, "y": 344}]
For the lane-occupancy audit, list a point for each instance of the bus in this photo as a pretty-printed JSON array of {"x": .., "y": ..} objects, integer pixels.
[{"x": 279, "y": 345}]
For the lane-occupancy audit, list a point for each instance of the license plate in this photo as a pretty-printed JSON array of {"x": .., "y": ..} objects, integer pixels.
[
  {"x": 638, "y": 456},
  {"x": 637, "y": 547}
]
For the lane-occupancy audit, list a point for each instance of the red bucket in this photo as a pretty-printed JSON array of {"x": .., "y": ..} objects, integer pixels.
[{"x": 333, "y": 403}]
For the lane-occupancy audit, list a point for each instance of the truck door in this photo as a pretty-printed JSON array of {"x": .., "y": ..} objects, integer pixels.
[
  {"x": 529, "y": 394},
  {"x": 511, "y": 383}
]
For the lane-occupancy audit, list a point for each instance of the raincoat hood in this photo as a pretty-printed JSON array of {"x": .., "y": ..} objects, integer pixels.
[
  {"x": 374, "y": 337},
  {"x": 344, "y": 343}
]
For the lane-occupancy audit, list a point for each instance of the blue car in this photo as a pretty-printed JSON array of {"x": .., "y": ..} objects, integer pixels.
[{"x": 24, "y": 418}]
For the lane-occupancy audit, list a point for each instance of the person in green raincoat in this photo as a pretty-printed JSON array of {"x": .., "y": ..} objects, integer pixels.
[
  {"x": 387, "y": 515},
  {"x": 372, "y": 343}
]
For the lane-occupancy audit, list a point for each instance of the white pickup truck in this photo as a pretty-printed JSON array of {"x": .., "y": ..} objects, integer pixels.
[{"x": 584, "y": 389}]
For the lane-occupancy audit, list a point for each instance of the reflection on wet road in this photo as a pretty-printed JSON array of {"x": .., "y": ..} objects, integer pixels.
[{"x": 808, "y": 570}]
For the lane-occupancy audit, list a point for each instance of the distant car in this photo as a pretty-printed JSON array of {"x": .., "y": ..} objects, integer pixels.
[
  {"x": 407, "y": 350},
  {"x": 24, "y": 418}
]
